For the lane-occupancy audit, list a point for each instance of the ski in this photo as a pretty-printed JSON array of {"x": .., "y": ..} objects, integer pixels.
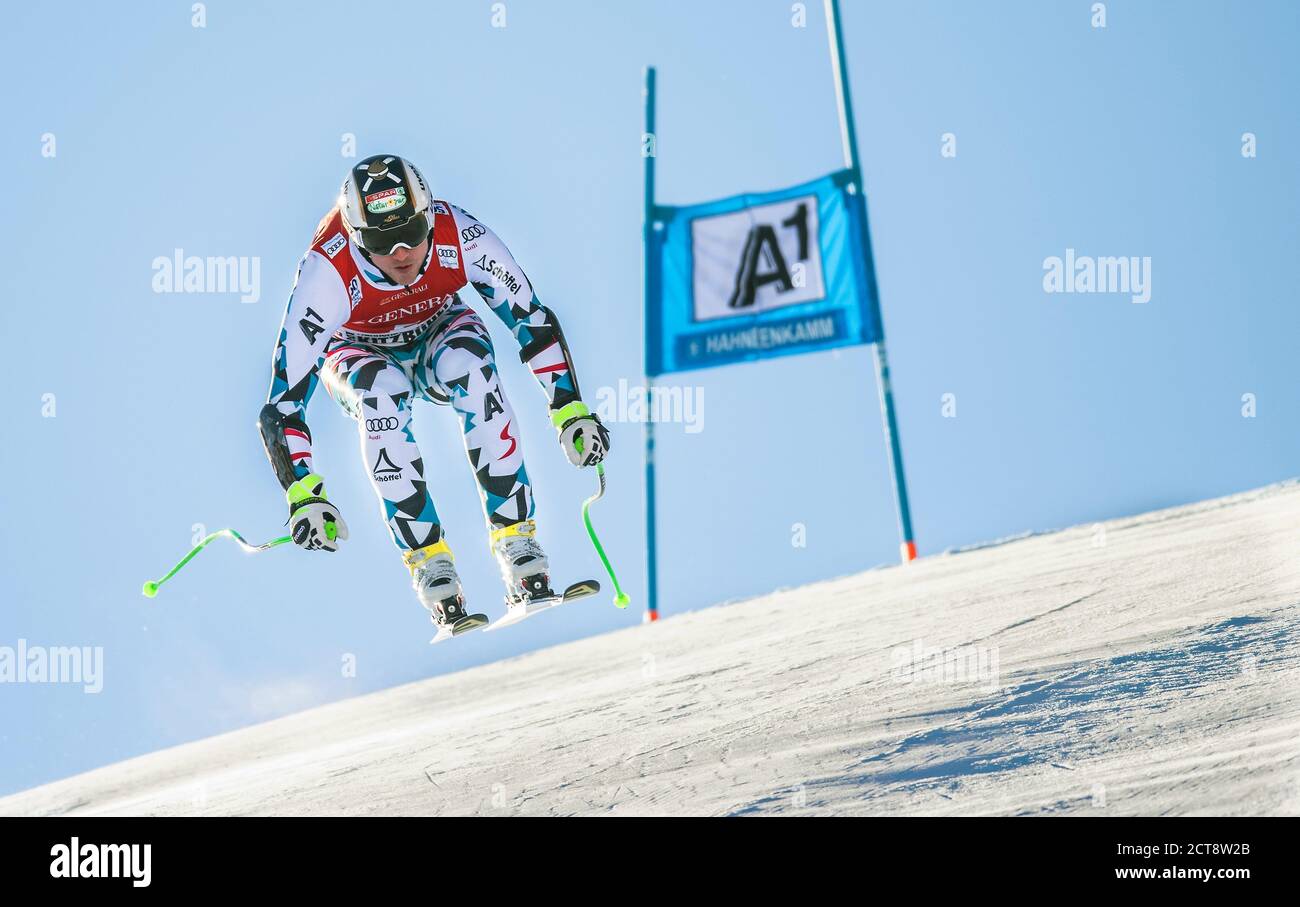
[
  {"x": 521, "y": 612},
  {"x": 466, "y": 624}
]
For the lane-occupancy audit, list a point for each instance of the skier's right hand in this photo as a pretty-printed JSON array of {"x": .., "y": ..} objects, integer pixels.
[
  {"x": 314, "y": 522},
  {"x": 584, "y": 439}
]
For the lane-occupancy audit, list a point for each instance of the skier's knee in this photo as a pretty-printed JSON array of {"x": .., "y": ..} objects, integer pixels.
[
  {"x": 384, "y": 400},
  {"x": 377, "y": 375},
  {"x": 465, "y": 366},
  {"x": 386, "y": 382}
]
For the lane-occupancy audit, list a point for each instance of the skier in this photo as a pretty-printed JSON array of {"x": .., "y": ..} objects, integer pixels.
[{"x": 375, "y": 314}]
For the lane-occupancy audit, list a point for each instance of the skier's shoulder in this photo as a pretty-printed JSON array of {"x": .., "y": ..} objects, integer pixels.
[
  {"x": 325, "y": 267},
  {"x": 462, "y": 218},
  {"x": 331, "y": 237}
]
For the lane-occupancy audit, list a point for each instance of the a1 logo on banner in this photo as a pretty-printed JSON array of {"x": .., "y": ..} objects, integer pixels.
[{"x": 758, "y": 259}]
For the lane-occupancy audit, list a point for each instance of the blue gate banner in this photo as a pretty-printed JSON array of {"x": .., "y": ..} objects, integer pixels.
[{"x": 759, "y": 275}]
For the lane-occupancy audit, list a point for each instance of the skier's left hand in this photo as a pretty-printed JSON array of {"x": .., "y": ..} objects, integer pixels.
[{"x": 584, "y": 439}]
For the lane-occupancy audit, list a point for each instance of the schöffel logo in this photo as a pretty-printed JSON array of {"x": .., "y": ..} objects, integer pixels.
[
  {"x": 388, "y": 423},
  {"x": 500, "y": 276},
  {"x": 102, "y": 861},
  {"x": 384, "y": 470}
]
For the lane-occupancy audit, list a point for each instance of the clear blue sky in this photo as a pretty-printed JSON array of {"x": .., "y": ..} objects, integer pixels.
[{"x": 226, "y": 141}]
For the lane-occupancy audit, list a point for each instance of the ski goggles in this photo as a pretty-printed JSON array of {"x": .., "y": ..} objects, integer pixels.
[{"x": 387, "y": 240}]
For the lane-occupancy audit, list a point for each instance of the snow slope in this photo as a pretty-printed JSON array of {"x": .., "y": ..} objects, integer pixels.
[{"x": 1148, "y": 665}]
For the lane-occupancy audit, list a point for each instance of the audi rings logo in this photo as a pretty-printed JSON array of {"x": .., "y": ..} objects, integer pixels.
[
  {"x": 388, "y": 423},
  {"x": 473, "y": 232}
]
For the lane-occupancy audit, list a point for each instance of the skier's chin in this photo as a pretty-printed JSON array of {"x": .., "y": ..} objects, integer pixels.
[{"x": 406, "y": 276}]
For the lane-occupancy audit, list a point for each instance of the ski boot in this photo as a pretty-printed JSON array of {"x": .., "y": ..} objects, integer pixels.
[
  {"x": 523, "y": 565},
  {"x": 526, "y": 573},
  {"x": 433, "y": 575}
]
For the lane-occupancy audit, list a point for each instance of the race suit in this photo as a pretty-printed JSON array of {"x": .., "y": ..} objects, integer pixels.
[{"x": 377, "y": 345}]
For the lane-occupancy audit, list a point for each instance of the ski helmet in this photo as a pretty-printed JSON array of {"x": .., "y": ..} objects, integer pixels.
[{"x": 385, "y": 204}]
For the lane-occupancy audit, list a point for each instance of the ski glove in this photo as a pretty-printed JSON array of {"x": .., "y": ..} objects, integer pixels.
[
  {"x": 584, "y": 439},
  {"x": 313, "y": 521}
]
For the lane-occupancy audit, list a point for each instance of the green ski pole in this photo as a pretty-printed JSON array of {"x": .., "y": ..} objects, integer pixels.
[
  {"x": 620, "y": 597},
  {"x": 151, "y": 587}
]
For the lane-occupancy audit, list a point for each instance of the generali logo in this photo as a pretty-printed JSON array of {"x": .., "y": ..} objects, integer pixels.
[
  {"x": 406, "y": 291},
  {"x": 405, "y": 312}
]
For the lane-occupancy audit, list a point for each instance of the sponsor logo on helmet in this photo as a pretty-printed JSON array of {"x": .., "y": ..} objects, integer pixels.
[
  {"x": 449, "y": 256},
  {"x": 334, "y": 244},
  {"x": 386, "y": 200},
  {"x": 378, "y": 169}
]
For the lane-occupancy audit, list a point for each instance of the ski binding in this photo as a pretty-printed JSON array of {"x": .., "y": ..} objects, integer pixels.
[
  {"x": 521, "y": 612},
  {"x": 459, "y": 627}
]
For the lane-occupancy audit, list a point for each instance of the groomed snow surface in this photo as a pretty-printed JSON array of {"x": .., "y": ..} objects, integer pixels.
[{"x": 1145, "y": 666}]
